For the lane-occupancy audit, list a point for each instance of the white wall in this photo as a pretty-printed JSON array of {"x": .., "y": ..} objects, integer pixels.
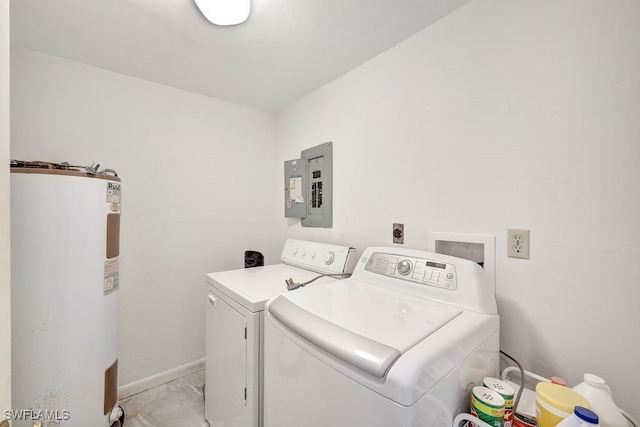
[
  {"x": 507, "y": 113},
  {"x": 193, "y": 171},
  {"x": 5, "y": 230}
]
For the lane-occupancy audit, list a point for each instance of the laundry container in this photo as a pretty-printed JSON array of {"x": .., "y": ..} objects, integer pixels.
[{"x": 555, "y": 403}]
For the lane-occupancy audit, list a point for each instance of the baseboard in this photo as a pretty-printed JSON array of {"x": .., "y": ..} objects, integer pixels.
[{"x": 159, "y": 379}]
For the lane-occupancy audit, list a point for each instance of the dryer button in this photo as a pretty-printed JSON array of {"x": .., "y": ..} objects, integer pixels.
[{"x": 329, "y": 258}]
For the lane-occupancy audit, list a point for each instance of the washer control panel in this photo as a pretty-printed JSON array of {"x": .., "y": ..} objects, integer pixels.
[{"x": 420, "y": 270}]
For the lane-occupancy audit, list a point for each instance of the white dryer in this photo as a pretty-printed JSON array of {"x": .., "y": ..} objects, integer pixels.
[
  {"x": 234, "y": 326},
  {"x": 400, "y": 343}
]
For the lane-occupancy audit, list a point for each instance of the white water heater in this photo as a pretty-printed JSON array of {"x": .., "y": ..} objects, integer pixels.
[{"x": 65, "y": 228}]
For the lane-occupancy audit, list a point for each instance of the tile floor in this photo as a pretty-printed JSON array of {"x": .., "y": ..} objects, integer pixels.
[{"x": 176, "y": 403}]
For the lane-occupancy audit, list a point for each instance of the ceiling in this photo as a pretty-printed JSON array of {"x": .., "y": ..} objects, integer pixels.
[{"x": 285, "y": 50}]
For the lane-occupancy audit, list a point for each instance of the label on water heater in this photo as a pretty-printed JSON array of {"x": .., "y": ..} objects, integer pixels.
[
  {"x": 111, "y": 276},
  {"x": 113, "y": 192}
]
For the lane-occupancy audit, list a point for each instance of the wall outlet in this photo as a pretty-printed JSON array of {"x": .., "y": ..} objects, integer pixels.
[
  {"x": 518, "y": 243},
  {"x": 398, "y": 233}
]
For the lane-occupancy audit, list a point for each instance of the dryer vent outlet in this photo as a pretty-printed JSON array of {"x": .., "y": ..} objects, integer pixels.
[{"x": 398, "y": 233}]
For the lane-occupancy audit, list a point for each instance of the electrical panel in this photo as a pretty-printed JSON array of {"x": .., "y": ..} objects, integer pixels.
[{"x": 309, "y": 187}]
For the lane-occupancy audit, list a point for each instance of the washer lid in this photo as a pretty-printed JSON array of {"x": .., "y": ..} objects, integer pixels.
[{"x": 367, "y": 326}]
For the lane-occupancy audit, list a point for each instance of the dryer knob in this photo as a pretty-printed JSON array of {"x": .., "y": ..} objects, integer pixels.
[
  {"x": 329, "y": 258},
  {"x": 404, "y": 267}
]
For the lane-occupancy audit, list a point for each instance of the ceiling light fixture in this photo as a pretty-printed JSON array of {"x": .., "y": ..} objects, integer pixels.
[{"x": 225, "y": 12}]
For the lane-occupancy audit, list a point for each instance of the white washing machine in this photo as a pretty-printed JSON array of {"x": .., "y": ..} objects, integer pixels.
[
  {"x": 234, "y": 329},
  {"x": 400, "y": 343}
]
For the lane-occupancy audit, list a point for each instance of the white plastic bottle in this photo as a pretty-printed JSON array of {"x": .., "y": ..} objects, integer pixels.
[
  {"x": 581, "y": 417},
  {"x": 598, "y": 394}
]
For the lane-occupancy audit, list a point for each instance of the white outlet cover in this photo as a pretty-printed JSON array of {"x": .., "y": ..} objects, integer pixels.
[{"x": 518, "y": 243}]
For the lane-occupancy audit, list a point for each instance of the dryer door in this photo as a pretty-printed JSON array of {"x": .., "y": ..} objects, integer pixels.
[{"x": 226, "y": 366}]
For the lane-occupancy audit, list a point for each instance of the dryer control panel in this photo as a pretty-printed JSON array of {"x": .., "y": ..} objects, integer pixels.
[
  {"x": 420, "y": 270},
  {"x": 320, "y": 257}
]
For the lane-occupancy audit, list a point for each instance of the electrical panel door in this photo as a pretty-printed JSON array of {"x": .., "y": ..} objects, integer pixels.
[{"x": 295, "y": 176}]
